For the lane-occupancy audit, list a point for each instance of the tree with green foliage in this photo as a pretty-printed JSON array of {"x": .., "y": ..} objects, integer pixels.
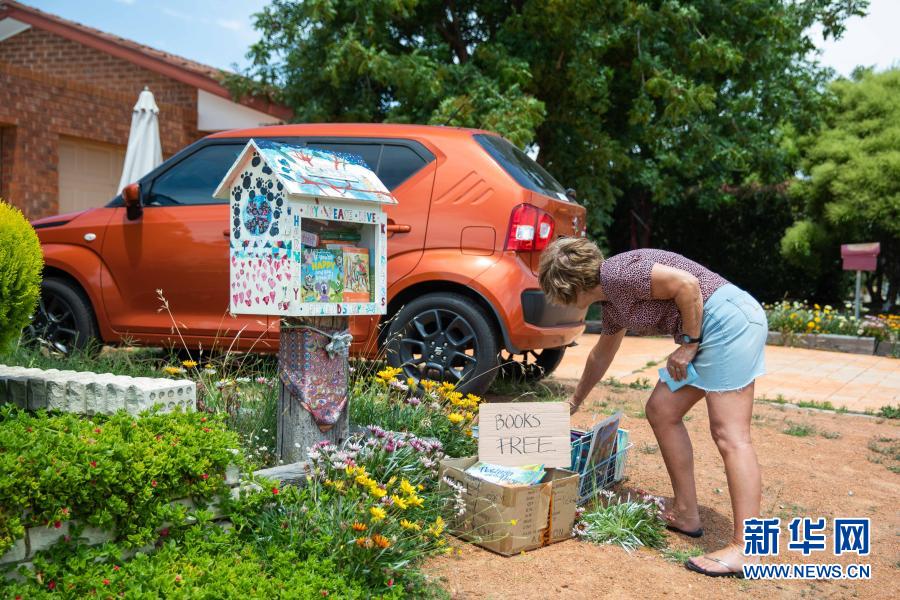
[
  {"x": 635, "y": 103},
  {"x": 850, "y": 188},
  {"x": 21, "y": 262}
]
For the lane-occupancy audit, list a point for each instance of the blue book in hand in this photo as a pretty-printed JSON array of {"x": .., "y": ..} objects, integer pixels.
[{"x": 677, "y": 385}]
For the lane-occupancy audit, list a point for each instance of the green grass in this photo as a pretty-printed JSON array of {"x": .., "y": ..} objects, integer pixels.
[
  {"x": 889, "y": 412},
  {"x": 629, "y": 524},
  {"x": 825, "y": 405},
  {"x": 646, "y": 448},
  {"x": 799, "y": 429},
  {"x": 640, "y": 384},
  {"x": 680, "y": 555},
  {"x": 537, "y": 391}
]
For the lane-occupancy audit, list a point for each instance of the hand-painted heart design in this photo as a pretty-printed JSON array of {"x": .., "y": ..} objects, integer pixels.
[
  {"x": 271, "y": 283},
  {"x": 266, "y": 300},
  {"x": 272, "y": 296}
]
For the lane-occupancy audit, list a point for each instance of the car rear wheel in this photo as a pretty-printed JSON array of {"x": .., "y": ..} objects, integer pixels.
[
  {"x": 444, "y": 337},
  {"x": 532, "y": 365},
  {"x": 64, "y": 320}
]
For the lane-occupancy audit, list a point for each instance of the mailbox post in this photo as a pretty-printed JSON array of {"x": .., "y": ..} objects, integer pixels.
[
  {"x": 859, "y": 258},
  {"x": 308, "y": 246}
]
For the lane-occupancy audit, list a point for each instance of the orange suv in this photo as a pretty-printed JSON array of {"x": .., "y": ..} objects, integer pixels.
[{"x": 474, "y": 214}]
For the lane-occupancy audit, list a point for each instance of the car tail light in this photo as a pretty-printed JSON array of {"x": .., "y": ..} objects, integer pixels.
[{"x": 530, "y": 229}]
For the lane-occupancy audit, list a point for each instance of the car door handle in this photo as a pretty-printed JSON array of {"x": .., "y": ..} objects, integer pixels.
[
  {"x": 226, "y": 233},
  {"x": 394, "y": 228}
]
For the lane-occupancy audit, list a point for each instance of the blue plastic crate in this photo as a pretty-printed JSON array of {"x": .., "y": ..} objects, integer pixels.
[{"x": 602, "y": 475}]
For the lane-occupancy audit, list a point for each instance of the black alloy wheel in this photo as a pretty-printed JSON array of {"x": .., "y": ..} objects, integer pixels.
[
  {"x": 63, "y": 320},
  {"x": 444, "y": 337}
]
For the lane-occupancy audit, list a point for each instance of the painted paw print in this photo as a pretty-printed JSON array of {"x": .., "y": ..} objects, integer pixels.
[
  {"x": 255, "y": 160},
  {"x": 246, "y": 179},
  {"x": 236, "y": 193},
  {"x": 266, "y": 170},
  {"x": 261, "y": 184}
]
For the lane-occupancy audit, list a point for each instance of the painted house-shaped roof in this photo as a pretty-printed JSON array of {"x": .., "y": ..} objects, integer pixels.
[{"x": 309, "y": 174}]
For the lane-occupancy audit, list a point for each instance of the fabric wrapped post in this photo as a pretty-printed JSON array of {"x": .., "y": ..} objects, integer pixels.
[{"x": 313, "y": 373}]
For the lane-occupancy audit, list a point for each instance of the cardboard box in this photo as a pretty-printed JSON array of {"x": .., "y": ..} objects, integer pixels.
[{"x": 544, "y": 513}]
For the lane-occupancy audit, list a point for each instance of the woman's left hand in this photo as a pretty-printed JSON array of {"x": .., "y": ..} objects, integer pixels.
[{"x": 678, "y": 361}]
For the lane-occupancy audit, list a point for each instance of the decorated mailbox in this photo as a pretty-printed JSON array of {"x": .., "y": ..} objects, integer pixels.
[{"x": 308, "y": 233}]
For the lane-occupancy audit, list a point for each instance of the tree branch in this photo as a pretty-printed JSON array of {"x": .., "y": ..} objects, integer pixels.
[{"x": 450, "y": 32}]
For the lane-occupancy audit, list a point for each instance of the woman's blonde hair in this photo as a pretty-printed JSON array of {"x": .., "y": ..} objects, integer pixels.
[{"x": 569, "y": 266}]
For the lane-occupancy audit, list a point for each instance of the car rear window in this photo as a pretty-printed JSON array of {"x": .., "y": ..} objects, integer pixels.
[{"x": 520, "y": 167}]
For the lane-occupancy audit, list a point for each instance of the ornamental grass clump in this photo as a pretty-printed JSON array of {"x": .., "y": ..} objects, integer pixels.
[
  {"x": 373, "y": 505},
  {"x": 425, "y": 408},
  {"x": 21, "y": 262},
  {"x": 624, "y": 522},
  {"x": 118, "y": 473}
]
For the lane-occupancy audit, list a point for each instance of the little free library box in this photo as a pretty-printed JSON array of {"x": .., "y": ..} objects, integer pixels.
[{"x": 308, "y": 233}]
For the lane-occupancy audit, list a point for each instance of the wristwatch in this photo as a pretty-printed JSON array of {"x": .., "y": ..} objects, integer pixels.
[{"x": 684, "y": 339}]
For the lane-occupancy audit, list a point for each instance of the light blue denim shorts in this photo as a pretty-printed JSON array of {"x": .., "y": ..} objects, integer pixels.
[{"x": 732, "y": 353}]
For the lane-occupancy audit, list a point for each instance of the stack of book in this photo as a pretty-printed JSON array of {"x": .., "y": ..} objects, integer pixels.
[{"x": 335, "y": 268}]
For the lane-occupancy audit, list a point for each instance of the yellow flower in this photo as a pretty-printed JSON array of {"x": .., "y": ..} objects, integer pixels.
[
  {"x": 455, "y": 418},
  {"x": 399, "y": 502},
  {"x": 377, "y": 513},
  {"x": 437, "y": 528},
  {"x": 359, "y": 526},
  {"x": 420, "y": 487},
  {"x": 414, "y": 501},
  {"x": 392, "y": 480},
  {"x": 816, "y": 306},
  {"x": 428, "y": 384},
  {"x": 389, "y": 374},
  {"x": 473, "y": 398},
  {"x": 469, "y": 415},
  {"x": 407, "y": 488},
  {"x": 447, "y": 387},
  {"x": 410, "y": 525},
  {"x": 338, "y": 485},
  {"x": 189, "y": 364},
  {"x": 513, "y": 522},
  {"x": 377, "y": 492},
  {"x": 173, "y": 370},
  {"x": 412, "y": 383}
]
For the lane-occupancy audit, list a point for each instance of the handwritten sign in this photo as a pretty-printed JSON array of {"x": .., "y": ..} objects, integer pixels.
[{"x": 524, "y": 433}]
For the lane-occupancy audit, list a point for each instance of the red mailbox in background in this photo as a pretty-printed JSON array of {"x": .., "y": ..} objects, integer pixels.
[{"x": 860, "y": 257}]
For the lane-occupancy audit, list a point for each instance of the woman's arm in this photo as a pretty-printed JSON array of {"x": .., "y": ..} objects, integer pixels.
[
  {"x": 598, "y": 362},
  {"x": 669, "y": 283}
]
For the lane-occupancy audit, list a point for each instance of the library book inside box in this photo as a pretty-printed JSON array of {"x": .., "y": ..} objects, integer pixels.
[{"x": 308, "y": 232}]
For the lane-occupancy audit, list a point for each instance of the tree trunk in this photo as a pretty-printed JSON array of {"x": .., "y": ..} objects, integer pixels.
[{"x": 296, "y": 429}]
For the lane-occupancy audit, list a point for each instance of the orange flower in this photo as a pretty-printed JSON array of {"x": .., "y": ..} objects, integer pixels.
[
  {"x": 364, "y": 542},
  {"x": 381, "y": 541},
  {"x": 359, "y": 526}
]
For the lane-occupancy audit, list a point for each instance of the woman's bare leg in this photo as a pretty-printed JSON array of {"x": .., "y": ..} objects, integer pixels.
[
  {"x": 665, "y": 410},
  {"x": 729, "y": 423}
]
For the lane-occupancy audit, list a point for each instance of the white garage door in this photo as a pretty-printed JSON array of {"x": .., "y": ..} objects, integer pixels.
[{"x": 89, "y": 173}]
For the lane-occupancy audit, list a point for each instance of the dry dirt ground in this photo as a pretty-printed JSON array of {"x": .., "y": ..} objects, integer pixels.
[{"x": 845, "y": 466}]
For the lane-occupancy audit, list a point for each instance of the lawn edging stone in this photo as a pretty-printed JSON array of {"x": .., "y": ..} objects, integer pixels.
[{"x": 88, "y": 393}]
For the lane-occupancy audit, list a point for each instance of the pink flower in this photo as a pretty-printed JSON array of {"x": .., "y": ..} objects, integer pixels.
[
  {"x": 275, "y": 490},
  {"x": 164, "y": 532},
  {"x": 57, "y": 524},
  {"x": 51, "y": 585},
  {"x": 204, "y": 477},
  {"x": 106, "y": 582},
  {"x": 94, "y": 464},
  {"x": 153, "y": 483},
  {"x": 115, "y": 567}
]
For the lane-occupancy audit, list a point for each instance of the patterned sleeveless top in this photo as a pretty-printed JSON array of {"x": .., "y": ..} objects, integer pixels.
[{"x": 625, "y": 279}]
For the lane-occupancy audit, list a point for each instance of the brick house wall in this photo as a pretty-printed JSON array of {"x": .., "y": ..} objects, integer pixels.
[{"x": 50, "y": 87}]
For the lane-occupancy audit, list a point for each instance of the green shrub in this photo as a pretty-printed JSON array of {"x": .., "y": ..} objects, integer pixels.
[
  {"x": 206, "y": 562},
  {"x": 21, "y": 262},
  {"x": 113, "y": 473}
]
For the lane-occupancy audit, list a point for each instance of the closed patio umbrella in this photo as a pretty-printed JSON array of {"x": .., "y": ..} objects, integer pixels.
[{"x": 144, "y": 151}]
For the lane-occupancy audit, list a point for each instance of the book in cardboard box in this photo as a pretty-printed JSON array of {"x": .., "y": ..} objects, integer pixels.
[{"x": 543, "y": 513}]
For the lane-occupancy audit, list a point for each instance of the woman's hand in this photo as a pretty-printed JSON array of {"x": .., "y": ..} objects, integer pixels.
[{"x": 678, "y": 361}]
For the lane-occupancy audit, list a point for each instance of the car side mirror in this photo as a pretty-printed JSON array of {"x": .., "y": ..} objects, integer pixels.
[
  {"x": 570, "y": 194},
  {"x": 131, "y": 194}
]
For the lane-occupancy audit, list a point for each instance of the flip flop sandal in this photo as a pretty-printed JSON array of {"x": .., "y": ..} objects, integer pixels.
[
  {"x": 729, "y": 573},
  {"x": 691, "y": 534}
]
